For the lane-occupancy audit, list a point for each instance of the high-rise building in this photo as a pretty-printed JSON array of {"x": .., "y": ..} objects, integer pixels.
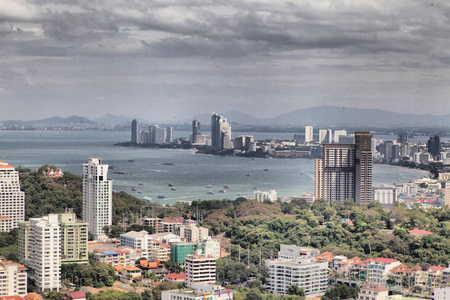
[
  {"x": 195, "y": 131},
  {"x": 45, "y": 251},
  {"x": 345, "y": 171},
  {"x": 97, "y": 197},
  {"x": 157, "y": 135},
  {"x": 12, "y": 210},
  {"x": 337, "y": 134},
  {"x": 135, "y": 132},
  {"x": 402, "y": 138},
  {"x": 434, "y": 147},
  {"x": 388, "y": 150},
  {"x": 363, "y": 167},
  {"x": 169, "y": 134},
  {"x": 74, "y": 239},
  {"x": 200, "y": 269},
  {"x": 220, "y": 132},
  {"x": 309, "y": 135},
  {"x": 325, "y": 136}
]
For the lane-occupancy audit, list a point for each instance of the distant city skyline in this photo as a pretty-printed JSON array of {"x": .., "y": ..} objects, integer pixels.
[{"x": 161, "y": 61}]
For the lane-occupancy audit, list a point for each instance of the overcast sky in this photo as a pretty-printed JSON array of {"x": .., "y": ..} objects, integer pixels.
[{"x": 173, "y": 59}]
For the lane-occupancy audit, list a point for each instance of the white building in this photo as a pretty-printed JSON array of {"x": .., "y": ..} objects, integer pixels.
[
  {"x": 325, "y": 136},
  {"x": 12, "y": 199},
  {"x": 262, "y": 196},
  {"x": 378, "y": 270},
  {"x": 199, "y": 292},
  {"x": 169, "y": 134},
  {"x": 294, "y": 252},
  {"x": 13, "y": 279},
  {"x": 309, "y": 135},
  {"x": 157, "y": 135},
  {"x": 306, "y": 273},
  {"x": 442, "y": 293},
  {"x": 337, "y": 134},
  {"x": 385, "y": 195},
  {"x": 200, "y": 269},
  {"x": 44, "y": 251},
  {"x": 97, "y": 197}
]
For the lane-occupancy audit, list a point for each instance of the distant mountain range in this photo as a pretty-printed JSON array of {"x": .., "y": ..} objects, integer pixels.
[
  {"x": 332, "y": 116},
  {"x": 322, "y": 116}
]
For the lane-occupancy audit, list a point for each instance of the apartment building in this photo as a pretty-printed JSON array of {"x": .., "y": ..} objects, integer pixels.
[
  {"x": 12, "y": 199},
  {"x": 308, "y": 274},
  {"x": 373, "y": 292},
  {"x": 13, "y": 279},
  {"x": 378, "y": 270},
  {"x": 192, "y": 233},
  {"x": 200, "y": 269}
]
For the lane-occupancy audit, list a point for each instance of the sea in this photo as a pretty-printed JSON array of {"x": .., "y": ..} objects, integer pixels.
[{"x": 174, "y": 174}]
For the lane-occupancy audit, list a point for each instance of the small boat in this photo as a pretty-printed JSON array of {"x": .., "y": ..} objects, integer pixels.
[
  {"x": 247, "y": 175},
  {"x": 134, "y": 189},
  {"x": 209, "y": 186},
  {"x": 161, "y": 197},
  {"x": 222, "y": 191},
  {"x": 170, "y": 184},
  {"x": 167, "y": 164},
  {"x": 255, "y": 187},
  {"x": 130, "y": 160},
  {"x": 266, "y": 169},
  {"x": 226, "y": 187},
  {"x": 147, "y": 198},
  {"x": 173, "y": 189},
  {"x": 210, "y": 193},
  {"x": 141, "y": 183},
  {"x": 140, "y": 192},
  {"x": 120, "y": 172}
]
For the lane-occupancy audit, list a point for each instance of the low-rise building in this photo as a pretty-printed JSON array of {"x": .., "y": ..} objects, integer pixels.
[
  {"x": 373, "y": 292},
  {"x": 378, "y": 270}
]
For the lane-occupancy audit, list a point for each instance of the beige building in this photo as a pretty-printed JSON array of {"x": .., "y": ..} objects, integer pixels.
[
  {"x": 12, "y": 199},
  {"x": 373, "y": 292},
  {"x": 192, "y": 233},
  {"x": 13, "y": 279}
]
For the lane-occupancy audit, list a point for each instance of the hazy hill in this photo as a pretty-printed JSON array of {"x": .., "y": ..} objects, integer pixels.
[{"x": 59, "y": 120}]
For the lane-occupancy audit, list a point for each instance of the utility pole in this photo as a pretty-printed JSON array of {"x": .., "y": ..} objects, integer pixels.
[
  {"x": 248, "y": 255},
  {"x": 239, "y": 253},
  {"x": 260, "y": 257}
]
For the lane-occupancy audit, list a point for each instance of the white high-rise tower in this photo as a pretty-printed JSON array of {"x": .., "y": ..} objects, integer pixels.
[
  {"x": 309, "y": 136},
  {"x": 12, "y": 210},
  {"x": 97, "y": 197}
]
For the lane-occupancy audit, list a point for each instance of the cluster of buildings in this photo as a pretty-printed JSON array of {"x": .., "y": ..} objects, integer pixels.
[{"x": 154, "y": 136}]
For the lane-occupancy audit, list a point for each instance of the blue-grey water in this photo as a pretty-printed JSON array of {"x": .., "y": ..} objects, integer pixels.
[{"x": 187, "y": 171}]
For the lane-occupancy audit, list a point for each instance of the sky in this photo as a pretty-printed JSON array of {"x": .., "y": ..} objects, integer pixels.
[{"x": 174, "y": 59}]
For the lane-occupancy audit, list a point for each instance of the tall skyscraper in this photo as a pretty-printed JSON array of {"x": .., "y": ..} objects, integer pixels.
[
  {"x": 309, "y": 135},
  {"x": 345, "y": 171},
  {"x": 195, "y": 131},
  {"x": 220, "y": 132},
  {"x": 97, "y": 197},
  {"x": 434, "y": 147},
  {"x": 135, "y": 134},
  {"x": 169, "y": 134},
  {"x": 12, "y": 198},
  {"x": 363, "y": 167}
]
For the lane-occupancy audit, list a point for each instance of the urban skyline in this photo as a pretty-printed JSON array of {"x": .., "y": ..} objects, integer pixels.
[{"x": 188, "y": 58}]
